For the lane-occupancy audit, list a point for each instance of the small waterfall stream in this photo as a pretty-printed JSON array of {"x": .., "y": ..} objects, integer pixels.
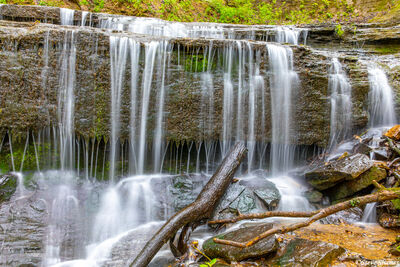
[
  {"x": 381, "y": 108},
  {"x": 340, "y": 91}
]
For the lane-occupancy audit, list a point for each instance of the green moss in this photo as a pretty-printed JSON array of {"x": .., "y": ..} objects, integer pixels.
[
  {"x": 196, "y": 63},
  {"x": 393, "y": 49}
]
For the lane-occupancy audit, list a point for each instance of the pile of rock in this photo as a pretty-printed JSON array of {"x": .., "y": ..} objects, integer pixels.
[{"x": 373, "y": 156}]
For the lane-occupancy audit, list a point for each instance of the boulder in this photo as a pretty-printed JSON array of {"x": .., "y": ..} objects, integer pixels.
[
  {"x": 247, "y": 196},
  {"x": 327, "y": 175},
  {"x": 303, "y": 252},
  {"x": 393, "y": 133},
  {"x": 349, "y": 216},
  {"x": 348, "y": 188},
  {"x": 229, "y": 253},
  {"x": 8, "y": 186},
  {"x": 313, "y": 196},
  {"x": 387, "y": 220}
]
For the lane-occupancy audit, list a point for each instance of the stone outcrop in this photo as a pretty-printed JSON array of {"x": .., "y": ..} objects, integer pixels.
[
  {"x": 31, "y": 87},
  {"x": 328, "y": 174}
]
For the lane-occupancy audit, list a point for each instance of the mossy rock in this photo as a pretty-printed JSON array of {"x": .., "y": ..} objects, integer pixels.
[{"x": 8, "y": 186}]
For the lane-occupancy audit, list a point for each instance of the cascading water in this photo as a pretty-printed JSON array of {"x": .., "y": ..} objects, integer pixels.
[
  {"x": 341, "y": 104},
  {"x": 118, "y": 58},
  {"x": 282, "y": 82},
  {"x": 381, "y": 103},
  {"x": 67, "y": 16},
  {"x": 66, "y": 101}
]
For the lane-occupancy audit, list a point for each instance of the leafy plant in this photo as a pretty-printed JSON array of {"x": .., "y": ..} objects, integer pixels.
[
  {"x": 339, "y": 31},
  {"x": 209, "y": 263},
  {"x": 354, "y": 202}
]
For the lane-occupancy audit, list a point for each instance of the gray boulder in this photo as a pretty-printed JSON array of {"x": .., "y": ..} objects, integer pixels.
[{"x": 328, "y": 174}]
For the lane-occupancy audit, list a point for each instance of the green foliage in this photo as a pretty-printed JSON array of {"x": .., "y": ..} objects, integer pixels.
[
  {"x": 339, "y": 31},
  {"x": 396, "y": 203},
  {"x": 209, "y": 263},
  {"x": 98, "y": 5},
  {"x": 83, "y": 3},
  {"x": 3, "y": 2},
  {"x": 354, "y": 202}
]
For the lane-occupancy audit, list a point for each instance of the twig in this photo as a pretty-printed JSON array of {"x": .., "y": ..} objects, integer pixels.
[{"x": 322, "y": 213}]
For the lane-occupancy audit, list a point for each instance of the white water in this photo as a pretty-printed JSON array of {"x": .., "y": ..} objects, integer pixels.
[
  {"x": 150, "y": 52},
  {"x": 282, "y": 82},
  {"x": 341, "y": 104},
  {"x": 67, "y": 16},
  {"x": 66, "y": 102},
  {"x": 118, "y": 58},
  {"x": 381, "y": 102}
]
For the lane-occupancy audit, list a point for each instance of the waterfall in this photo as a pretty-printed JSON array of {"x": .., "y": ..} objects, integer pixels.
[
  {"x": 282, "y": 78},
  {"x": 341, "y": 104},
  {"x": 134, "y": 48},
  {"x": 84, "y": 17},
  {"x": 67, "y": 16},
  {"x": 381, "y": 103},
  {"x": 287, "y": 35},
  {"x": 164, "y": 57},
  {"x": 118, "y": 58},
  {"x": 151, "y": 49},
  {"x": 66, "y": 101}
]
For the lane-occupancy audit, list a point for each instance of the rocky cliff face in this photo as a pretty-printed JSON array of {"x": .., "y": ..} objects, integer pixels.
[{"x": 30, "y": 79}]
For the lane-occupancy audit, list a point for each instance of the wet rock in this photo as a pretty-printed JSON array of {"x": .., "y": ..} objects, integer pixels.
[
  {"x": 229, "y": 253},
  {"x": 395, "y": 247},
  {"x": 23, "y": 231},
  {"x": 265, "y": 190},
  {"x": 313, "y": 196},
  {"x": 380, "y": 154},
  {"x": 349, "y": 216},
  {"x": 362, "y": 148},
  {"x": 247, "y": 196},
  {"x": 393, "y": 133},
  {"x": 8, "y": 185},
  {"x": 327, "y": 175},
  {"x": 303, "y": 252},
  {"x": 349, "y": 188},
  {"x": 182, "y": 191},
  {"x": 389, "y": 220}
]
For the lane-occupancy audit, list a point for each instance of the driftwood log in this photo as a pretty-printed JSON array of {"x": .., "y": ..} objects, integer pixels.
[{"x": 202, "y": 208}]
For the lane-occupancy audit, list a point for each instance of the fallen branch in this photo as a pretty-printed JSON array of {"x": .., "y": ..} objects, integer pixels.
[
  {"x": 200, "y": 209},
  {"x": 320, "y": 214},
  {"x": 268, "y": 214},
  {"x": 393, "y": 146}
]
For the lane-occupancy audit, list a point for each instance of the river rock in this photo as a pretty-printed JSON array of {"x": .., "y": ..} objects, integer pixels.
[
  {"x": 23, "y": 231},
  {"x": 387, "y": 220},
  {"x": 8, "y": 185},
  {"x": 348, "y": 188},
  {"x": 247, "y": 196},
  {"x": 348, "y": 168},
  {"x": 229, "y": 253},
  {"x": 303, "y": 252},
  {"x": 313, "y": 196},
  {"x": 349, "y": 216}
]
